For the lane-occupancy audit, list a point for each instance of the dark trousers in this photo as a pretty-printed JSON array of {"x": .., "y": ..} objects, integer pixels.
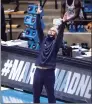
[{"x": 46, "y": 78}]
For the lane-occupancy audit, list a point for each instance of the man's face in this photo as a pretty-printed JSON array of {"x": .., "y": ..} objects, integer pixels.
[{"x": 52, "y": 32}]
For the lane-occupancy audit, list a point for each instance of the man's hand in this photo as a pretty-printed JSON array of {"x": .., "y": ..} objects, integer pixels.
[
  {"x": 39, "y": 9},
  {"x": 65, "y": 17}
]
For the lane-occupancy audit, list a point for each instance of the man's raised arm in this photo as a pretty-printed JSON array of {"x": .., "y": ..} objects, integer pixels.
[
  {"x": 38, "y": 25},
  {"x": 59, "y": 38}
]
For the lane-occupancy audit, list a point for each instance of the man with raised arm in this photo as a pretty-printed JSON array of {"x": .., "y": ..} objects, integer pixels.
[{"x": 46, "y": 60}]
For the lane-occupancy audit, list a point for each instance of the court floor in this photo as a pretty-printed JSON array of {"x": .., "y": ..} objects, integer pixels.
[{"x": 14, "y": 96}]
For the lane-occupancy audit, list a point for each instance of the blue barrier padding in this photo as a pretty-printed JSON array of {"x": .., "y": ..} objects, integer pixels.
[
  {"x": 31, "y": 34},
  {"x": 88, "y": 7},
  {"x": 32, "y": 9},
  {"x": 80, "y": 28},
  {"x": 33, "y": 45},
  {"x": 30, "y": 21}
]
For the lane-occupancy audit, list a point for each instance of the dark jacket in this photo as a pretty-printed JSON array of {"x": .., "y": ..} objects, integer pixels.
[{"x": 49, "y": 47}]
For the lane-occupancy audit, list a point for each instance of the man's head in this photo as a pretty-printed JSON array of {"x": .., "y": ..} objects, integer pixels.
[{"x": 53, "y": 31}]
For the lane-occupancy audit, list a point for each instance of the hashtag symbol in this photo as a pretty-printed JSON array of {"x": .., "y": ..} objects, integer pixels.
[{"x": 7, "y": 67}]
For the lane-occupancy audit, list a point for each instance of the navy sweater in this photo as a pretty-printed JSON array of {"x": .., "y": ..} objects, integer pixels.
[{"x": 49, "y": 47}]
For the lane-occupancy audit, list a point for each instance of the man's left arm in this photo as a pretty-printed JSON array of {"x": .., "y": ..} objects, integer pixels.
[{"x": 59, "y": 38}]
